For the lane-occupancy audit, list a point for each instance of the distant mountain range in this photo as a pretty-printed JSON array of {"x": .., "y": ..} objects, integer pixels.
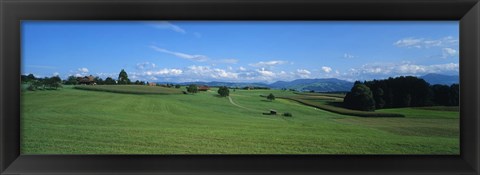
[
  {"x": 317, "y": 85},
  {"x": 228, "y": 84},
  {"x": 441, "y": 79},
  {"x": 320, "y": 85}
]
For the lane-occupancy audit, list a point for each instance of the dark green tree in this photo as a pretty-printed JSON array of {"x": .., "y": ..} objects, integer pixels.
[
  {"x": 454, "y": 99},
  {"x": 360, "y": 98},
  {"x": 110, "y": 81},
  {"x": 223, "y": 91},
  {"x": 98, "y": 81},
  {"x": 177, "y": 86},
  {"x": 23, "y": 78},
  {"x": 441, "y": 94},
  {"x": 71, "y": 80},
  {"x": 403, "y": 91},
  {"x": 30, "y": 77},
  {"x": 192, "y": 88},
  {"x": 271, "y": 97},
  {"x": 123, "y": 77},
  {"x": 55, "y": 82},
  {"x": 36, "y": 84},
  {"x": 378, "y": 97}
]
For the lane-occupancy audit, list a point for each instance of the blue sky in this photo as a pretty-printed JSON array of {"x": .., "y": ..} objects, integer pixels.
[{"x": 242, "y": 51}]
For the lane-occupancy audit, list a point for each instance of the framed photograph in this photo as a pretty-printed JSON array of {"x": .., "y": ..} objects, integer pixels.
[{"x": 239, "y": 87}]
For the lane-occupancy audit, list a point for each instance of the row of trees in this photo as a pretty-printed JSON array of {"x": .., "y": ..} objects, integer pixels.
[
  {"x": 53, "y": 82},
  {"x": 223, "y": 91},
  {"x": 401, "y": 91}
]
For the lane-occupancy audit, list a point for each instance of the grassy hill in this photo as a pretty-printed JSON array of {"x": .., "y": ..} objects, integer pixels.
[{"x": 74, "y": 121}]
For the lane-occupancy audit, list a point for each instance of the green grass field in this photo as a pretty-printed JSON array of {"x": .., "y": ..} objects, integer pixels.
[
  {"x": 76, "y": 121},
  {"x": 131, "y": 89}
]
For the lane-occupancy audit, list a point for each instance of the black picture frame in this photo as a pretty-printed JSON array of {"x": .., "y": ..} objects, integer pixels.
[{"x": 13, "y": 11}]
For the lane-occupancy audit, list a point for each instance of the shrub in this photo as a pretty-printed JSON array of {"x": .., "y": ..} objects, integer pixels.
[
  {"x": 271, "y": 97},
  {"x": 287, "y": 114},
  {"x": 223, "y": 91},
  {"x": 192, "y": 88}
]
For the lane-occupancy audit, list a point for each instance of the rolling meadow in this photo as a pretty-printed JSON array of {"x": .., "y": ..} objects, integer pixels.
[{"x": 133, "y": 119}]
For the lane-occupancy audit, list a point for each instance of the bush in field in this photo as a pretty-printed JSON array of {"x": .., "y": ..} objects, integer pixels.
[
  {"x": 271, "y": 97},
  {"x": 287, "y": 114},
  {"x": 192, "y": 88},
  {"x": 177, "y": 86},
  {"x": 360, "y": 98},
  {"x": 223, "y": 91}
]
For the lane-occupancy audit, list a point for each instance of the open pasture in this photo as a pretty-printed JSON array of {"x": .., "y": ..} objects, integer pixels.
[
  {"x": 77, "y": 121},
  {"x": 131, "y": 89}
]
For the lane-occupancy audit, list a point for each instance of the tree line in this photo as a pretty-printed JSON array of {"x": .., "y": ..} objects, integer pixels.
[
  {"x": 35, "y": 83},
  {"x": 404, "y": 91}
]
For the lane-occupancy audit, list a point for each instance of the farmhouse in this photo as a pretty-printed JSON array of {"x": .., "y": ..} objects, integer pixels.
[
  {"x": 152, "y": 84},
  {"x": 203, "y": 88},
  {"x": 87, "y": 80}
]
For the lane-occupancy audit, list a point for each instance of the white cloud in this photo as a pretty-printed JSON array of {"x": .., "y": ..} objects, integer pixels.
[
  {"x": 302, "y": 73},
  {"x": 326, "y": 69},
  {"x": 448, "y": 52},
  {"x": 199, "y": 58},
  {"x": 402, "y": 69},
  {"x": 408, "y": 42},
  {"x": 268, "y": 63},
  {"x": 167, "y": 25},
  {"x": 83, "y": 70},
  {"x": 56, "y": 74},
  {"x": 105, "y": 75},
  {"x": 412, "y": 42},
  {"x": 266, "y": 73},
  {"x": 146, "y": 65},
  {"x": 207, "y": 72},
  {"x": 346, "y": 55},
  {"x": 242, "y": 68},
  {"x": 164, "y": 71}
]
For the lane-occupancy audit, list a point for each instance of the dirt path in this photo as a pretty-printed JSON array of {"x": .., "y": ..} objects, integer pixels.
[{"x": 237, "y": 105}]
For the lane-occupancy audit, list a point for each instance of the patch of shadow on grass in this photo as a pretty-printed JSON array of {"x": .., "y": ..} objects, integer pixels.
[
  {"x": 219, "y": 96},
  {"x": 336, "y": 104}
]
